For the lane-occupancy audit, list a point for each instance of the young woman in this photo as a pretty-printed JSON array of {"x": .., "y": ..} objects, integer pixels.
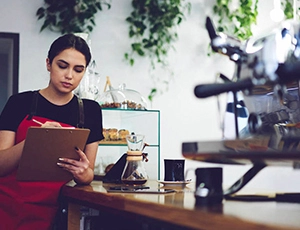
[{"x": 33, "y": 205}]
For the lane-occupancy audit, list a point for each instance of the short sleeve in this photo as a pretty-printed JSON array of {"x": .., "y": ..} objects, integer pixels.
[
  {"x": 93, "y": 120},
  {"x": 14, "y": 111}
]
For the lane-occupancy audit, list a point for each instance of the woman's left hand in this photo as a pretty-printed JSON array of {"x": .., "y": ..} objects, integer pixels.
[{"x": 79, "y": 168}]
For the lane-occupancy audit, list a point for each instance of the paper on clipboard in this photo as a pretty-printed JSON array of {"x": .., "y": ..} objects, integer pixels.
[{"x": 43, "y": 147}]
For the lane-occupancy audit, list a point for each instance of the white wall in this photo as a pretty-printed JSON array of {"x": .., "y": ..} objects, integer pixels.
[{"x": 183, "y": 117}]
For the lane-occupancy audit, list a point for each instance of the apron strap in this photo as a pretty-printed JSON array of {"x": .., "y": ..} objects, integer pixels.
[
  {"x": 33, "y": 105},
  {"x": 81, "y": 113}
]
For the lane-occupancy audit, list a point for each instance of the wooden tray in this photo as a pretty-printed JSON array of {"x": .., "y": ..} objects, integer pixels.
[{"x": 119, "y": 142}]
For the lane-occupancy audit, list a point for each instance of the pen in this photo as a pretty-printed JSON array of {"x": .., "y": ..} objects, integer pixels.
[{"x": 38, "y": 122}]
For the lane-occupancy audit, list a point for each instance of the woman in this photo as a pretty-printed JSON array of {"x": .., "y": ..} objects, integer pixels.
[{"x": 33, "y": 205}]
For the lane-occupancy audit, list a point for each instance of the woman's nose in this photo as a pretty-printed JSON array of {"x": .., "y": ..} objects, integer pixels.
[{"x": 69, "y": 74}]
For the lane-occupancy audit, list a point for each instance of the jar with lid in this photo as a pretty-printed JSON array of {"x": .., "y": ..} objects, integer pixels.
[
  {"x": 134, "y": 172},
  {"x": 122, "y": 98}
]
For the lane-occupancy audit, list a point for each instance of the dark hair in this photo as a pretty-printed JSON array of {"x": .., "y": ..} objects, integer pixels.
[{"x": 69, "y": 41}]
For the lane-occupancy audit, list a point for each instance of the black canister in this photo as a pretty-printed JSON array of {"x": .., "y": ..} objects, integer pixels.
[
  {"x": 174, "y": 169},
  {"x": 209, "y": 188}
]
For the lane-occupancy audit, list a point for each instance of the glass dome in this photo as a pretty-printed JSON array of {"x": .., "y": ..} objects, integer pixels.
[{"x": 122, "y": 98}]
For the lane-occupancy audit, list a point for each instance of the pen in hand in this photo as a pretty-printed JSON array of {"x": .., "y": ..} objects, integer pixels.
[
  {"x": 40, "y": 123},
  {"x": 37, "y": 122}
]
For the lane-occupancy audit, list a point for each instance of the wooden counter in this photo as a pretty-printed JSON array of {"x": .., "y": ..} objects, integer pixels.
[{"x": 178, "y": 210}]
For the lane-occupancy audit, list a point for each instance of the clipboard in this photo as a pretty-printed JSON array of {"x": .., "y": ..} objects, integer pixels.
[{"x": 43, "y": 147}]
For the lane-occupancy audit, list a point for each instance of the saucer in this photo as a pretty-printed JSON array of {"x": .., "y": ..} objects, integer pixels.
[{"x": 175, "y": 183}]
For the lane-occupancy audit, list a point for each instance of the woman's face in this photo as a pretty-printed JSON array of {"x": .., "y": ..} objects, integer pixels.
[{"x": 66, "y": 70}]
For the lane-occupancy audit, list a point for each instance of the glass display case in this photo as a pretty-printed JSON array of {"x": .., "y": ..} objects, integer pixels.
[{"x": 117, "y": 123}]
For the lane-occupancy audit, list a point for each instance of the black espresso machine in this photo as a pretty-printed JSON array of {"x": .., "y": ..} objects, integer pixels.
[{"x": 267, "y": 73}]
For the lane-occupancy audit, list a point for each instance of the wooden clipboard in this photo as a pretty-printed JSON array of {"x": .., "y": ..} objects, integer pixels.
[{"x": 43, "y": 147}]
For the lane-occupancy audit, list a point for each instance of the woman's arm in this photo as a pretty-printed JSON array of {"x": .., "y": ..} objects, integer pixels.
[
  {"x": 83, "y": 169},
  {"x": 10, "y": 153}
]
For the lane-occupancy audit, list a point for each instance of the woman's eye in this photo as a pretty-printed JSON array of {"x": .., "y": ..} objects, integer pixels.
[
  {"x": 62, "y": 66},
  {"x": 79, "y": 69}
]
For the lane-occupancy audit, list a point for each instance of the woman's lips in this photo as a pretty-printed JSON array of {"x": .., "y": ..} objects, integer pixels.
[{"x": 66, "y": 84}]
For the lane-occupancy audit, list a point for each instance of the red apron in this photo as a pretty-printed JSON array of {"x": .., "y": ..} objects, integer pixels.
[{"x": 28, "y": 205}]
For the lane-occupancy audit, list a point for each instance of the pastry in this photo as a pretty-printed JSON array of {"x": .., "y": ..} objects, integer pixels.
[
  {"x": 113, "y": 134},
  {"x": 123, "y": 133},
  {"x": 105, "y": 134}
]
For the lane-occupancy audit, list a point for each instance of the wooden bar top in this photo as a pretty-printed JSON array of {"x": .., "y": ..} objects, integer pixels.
[{"x": 179, "y": 208}]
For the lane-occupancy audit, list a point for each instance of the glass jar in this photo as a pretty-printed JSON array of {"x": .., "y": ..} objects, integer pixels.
[{"x": 122, "y": 98}]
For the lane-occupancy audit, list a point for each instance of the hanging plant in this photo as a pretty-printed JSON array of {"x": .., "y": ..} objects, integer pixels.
[
  {"x": 288, "y": 8},
  {"x": 236, "y": 19},
  {"x": 70, "y": 16},
  {"x": 152, "y": 28}
]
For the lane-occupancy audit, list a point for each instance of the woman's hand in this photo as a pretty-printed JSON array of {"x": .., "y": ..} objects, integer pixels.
[
  {"x": 81, "y": 170},
  {"x": 49, "y": 124}
]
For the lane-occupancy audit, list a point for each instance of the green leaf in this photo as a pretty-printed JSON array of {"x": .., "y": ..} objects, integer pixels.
[
  {"x": 40, "y": 11},
  {"x": 98, "y": 4},
  {"x": 140, "y": 52},
  {"x": 45, "y": 25},
  {"x": 90, "y": 28},
  {"x": 108, "y": 5},
  {"x": 129, "y": 19},
  {"x": 131, "y": 61},
  {"x": 147, "y": 43},
  {"x": 152, "y": 94},
  {"x": 136, "y": 46},
  {"x": 126, "y": 56},
  {"x": 179, "y": 20},
  {"x": 131, "y": 33},
  {"x": 40, "y": 16}
]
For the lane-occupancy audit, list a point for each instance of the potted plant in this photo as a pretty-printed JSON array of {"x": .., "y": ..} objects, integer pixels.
[{"x": 70, "y": 16}]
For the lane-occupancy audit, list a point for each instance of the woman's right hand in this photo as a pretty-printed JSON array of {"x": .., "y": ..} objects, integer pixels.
[{"x": 53, "y": 124}]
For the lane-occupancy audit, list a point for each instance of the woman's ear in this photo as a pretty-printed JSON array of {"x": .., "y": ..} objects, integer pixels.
[{"x": 48, "y": 64}]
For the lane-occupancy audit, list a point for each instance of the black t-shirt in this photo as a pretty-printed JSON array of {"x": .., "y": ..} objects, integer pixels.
[{"x": 19, "y": 106}]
